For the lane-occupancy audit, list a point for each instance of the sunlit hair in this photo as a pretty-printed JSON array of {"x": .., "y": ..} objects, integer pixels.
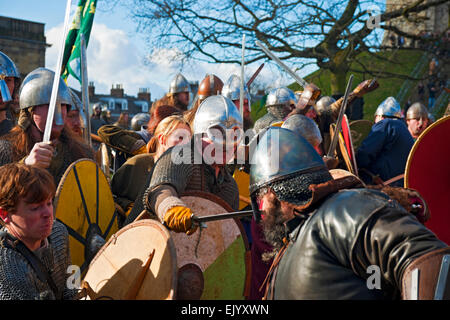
[
  {"x": 165, "y": 128},
  {"x": 158, "y": 113},
  {"x": 21, "y": 182}
]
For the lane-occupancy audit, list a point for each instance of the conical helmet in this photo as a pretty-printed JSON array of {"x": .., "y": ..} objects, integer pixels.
[
  {"x": 139, "y": 120},
  {"x": 389, "y": 108},
  {"x": 281, "y": 96},
  {"x": 36, "y": 89},
  {"x": 232, "y": 90},
  {"x": 211, "y": 85},
  {"x": 305, "y": 127},
  {"x": 179, "y": 84},
  {"x": 324, "y": 103},
  {"x": 7, "y": 69},
  {"x": 417, "y": 110}
]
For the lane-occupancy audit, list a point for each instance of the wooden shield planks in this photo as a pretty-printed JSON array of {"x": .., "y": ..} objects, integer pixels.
[
  {"x": 137, "y": 263},
  {"x": 84, "y": 198},
  {"x": 428, "y": 171},
  {"x": 218, "y": 250}
]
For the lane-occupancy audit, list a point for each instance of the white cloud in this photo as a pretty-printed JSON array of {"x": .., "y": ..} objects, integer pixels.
[{"x": 114, "y": 59}]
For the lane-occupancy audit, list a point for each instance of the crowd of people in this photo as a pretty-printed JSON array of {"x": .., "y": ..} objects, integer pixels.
[{"x": 315, "y": 229}]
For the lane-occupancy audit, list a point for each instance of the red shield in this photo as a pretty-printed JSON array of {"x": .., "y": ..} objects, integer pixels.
[{"x": 428, "y": 171}]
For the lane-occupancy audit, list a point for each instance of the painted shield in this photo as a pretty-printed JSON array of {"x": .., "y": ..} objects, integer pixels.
[
  {"x": 85, "y": 205},
  {"x": 342, "y": 150},
  {"x": 137, "y": 263},
  {"x": 213, "y": 262},
  {"x": 349, "y": 143},
  {"x": 243, "y": 182},
  {"x": 360, "y": 129},
  {"x": 428, "y": 171}
]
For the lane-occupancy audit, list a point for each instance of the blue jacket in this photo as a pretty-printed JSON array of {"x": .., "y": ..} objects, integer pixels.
[{"x": 385, "y": 150}]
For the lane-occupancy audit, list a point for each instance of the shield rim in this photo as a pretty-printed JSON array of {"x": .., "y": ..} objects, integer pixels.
[
  {"x": 170, "y": 245},
  {"x": 416, "y": 146}
]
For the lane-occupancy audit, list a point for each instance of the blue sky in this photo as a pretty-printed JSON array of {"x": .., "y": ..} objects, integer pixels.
[{"x": 117, "y": 54}]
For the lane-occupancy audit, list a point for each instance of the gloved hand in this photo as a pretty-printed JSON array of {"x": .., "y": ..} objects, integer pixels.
[
  {"x": 179, "y": 219},
  {"x": 330, "y": 162}
]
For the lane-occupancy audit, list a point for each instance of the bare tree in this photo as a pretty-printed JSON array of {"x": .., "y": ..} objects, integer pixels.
[{"x": 331, "y": 34}]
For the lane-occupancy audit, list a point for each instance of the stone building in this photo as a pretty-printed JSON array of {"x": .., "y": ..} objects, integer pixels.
[{"x": 24, "y": 42}]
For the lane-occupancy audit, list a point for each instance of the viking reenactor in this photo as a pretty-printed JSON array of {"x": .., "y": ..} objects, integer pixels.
[
  {"x": 232, "y": 90},
  {"x": 200, "y": 165},
  {"x": 211, "y": 85},
  {"x": 333, "y": 239},
  {"x": 417, "y": 119},
  {"x": 129, "y": 180},
  {"x": 34, "y": 248},
  {"x": 326, "y": 109},
  {"x": 24, "y": 142},
  {"x": 129, "y": 143},
  {"x": 280, "y": 102},
  {"x": 383, "y": 154},
  {"x": 96, "y": 120},
  {"x": 178, "y": 95},
  {"x": 139, "y": 123},
  {"x": 9, "y": 88}
]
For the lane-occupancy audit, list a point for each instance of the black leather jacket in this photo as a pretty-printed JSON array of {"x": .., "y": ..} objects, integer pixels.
[{"x": 329, "y": 254}]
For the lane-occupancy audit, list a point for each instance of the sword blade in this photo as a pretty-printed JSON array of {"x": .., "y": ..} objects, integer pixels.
[
  {"x": 56, "y": 79},
  {"x": 339, "y": 120},
  {"x": 222, "y": 216},
  {"x": 299, "y": 80},
  {"x": 241, "y": 93}
]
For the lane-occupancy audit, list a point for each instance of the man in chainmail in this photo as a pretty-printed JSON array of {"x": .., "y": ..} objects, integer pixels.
[
  {"x": 34, "y": 248},
  {"x": 330, "y": 234},
  {"x": 24, "y": 142},
  {"x": 200, "y": 165},
  {"x": 9, "y": 85},
  {"x": 280, "y": 102}
]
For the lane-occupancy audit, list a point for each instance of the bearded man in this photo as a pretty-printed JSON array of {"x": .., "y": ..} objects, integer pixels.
[{"x": 329, "y": 235}]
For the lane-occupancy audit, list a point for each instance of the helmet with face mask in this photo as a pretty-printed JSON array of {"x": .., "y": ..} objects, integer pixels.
[
  {"x": 218, "y": 118},
  {"x": 232, "y": 90},
  {"x": 280, "y": 102},
  {"x": 36, "y": 89},
  {"x": 7, "y": 69}
]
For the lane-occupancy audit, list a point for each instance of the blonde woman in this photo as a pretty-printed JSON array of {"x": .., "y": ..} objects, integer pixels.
[{"x": 131, "y": 178}]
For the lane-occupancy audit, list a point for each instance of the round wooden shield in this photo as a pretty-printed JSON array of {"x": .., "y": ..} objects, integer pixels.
[
  {"x": 212, "y": 262},
  {"x": 137, "y": 263},
  {"x": 360, "y": 129},
  {"x": 85, "y": 205},
  {"x": 428, "y": 171}
]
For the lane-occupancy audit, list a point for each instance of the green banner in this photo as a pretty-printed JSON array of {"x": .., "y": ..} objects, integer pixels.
[{"x": 81, "y": 24}]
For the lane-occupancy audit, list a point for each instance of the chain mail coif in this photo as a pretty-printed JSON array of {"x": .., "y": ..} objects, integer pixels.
[{"x": 295, "y": 189}]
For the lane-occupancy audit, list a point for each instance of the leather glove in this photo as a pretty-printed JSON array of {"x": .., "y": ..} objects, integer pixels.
[
  {"x": 179, "y": 219},
  {"x": 330, "y": 162}
]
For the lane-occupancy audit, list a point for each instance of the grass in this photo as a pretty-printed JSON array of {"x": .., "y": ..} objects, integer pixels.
[{"x": 404, "y": 63}]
